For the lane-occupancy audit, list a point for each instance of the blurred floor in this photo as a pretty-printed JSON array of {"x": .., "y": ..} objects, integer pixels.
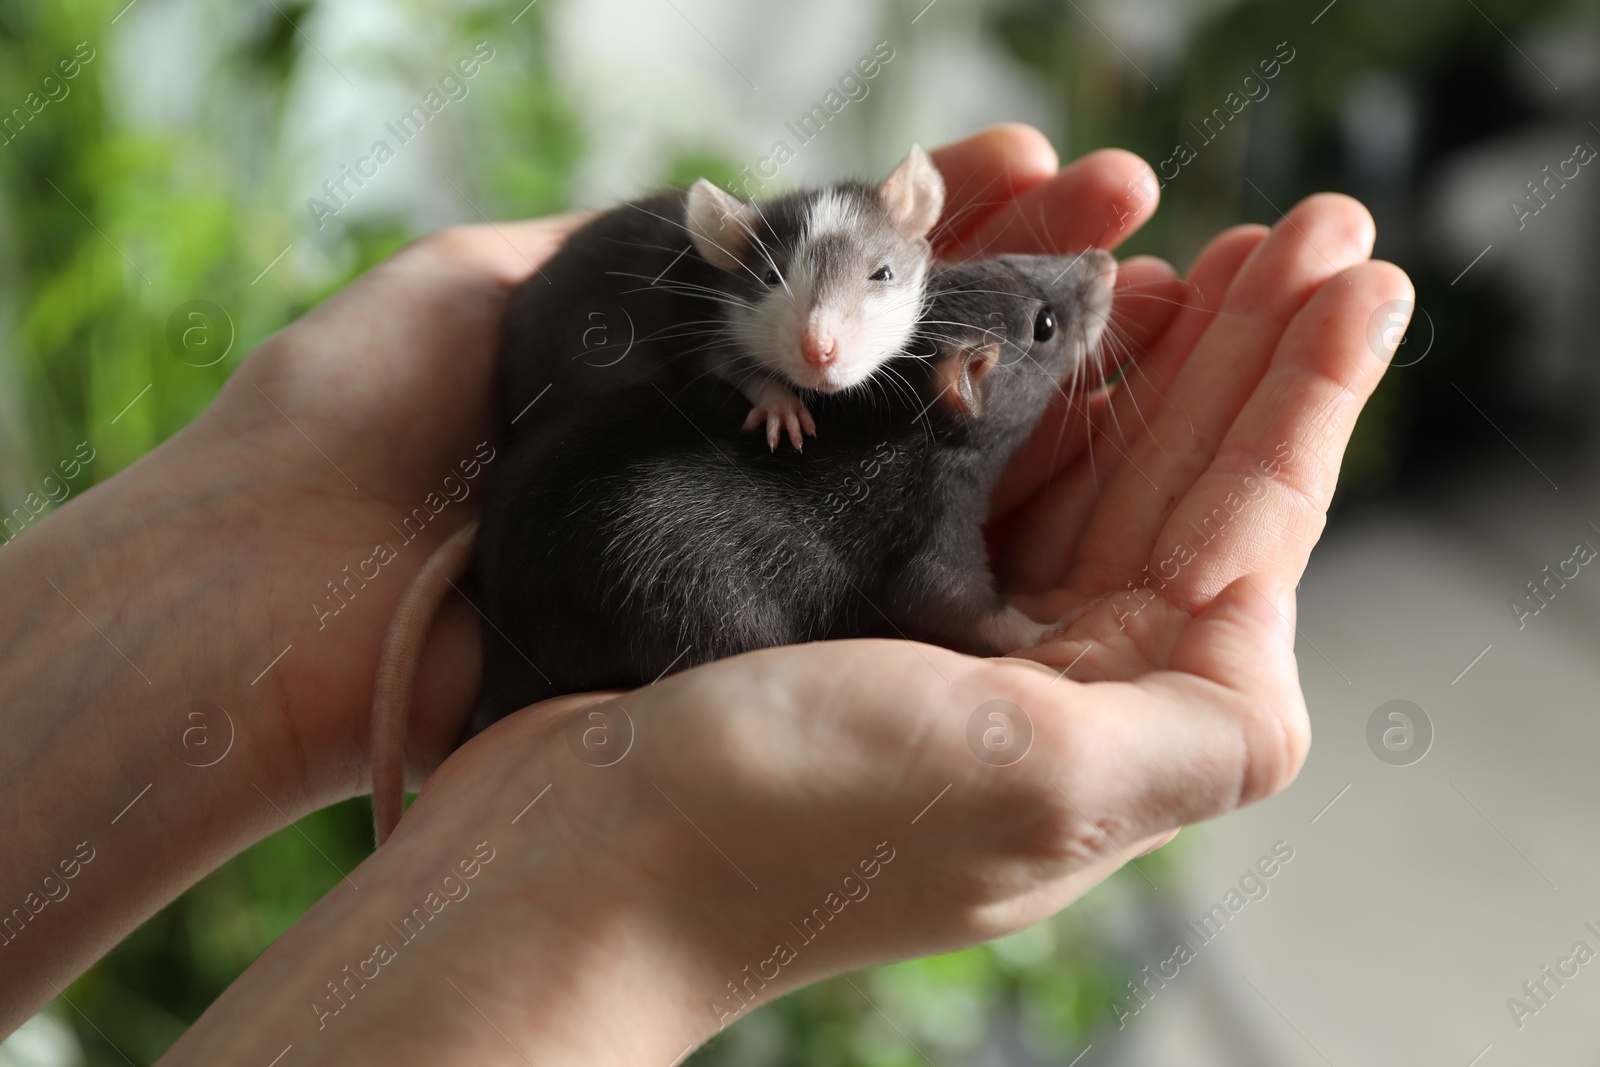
[{"x": 1422, "y": 897}]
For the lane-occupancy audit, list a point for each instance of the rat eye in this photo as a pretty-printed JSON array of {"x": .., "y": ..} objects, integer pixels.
[
  {"x": 882, "y": 274},
  {"x": 771, "y": 277},
  {"x": 1044, "y": 324}
]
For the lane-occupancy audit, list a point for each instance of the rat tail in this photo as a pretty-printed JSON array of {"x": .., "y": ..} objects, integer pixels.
[{"x": 397, "y": 671}]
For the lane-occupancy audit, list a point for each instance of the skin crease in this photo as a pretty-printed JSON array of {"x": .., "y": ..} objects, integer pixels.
[{"x": 607, "y": 901}]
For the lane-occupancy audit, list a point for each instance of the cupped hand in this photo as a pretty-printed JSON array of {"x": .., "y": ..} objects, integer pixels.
[{"x": 700, "y": 846}]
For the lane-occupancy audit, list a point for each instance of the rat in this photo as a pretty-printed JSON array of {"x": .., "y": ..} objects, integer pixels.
[
  {"x": 808, "y": 292},
  {"x": 644, "y": 535}
]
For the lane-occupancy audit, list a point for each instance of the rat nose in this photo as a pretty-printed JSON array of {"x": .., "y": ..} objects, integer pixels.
[
  {"x": 1107, "y": 264},
  {"x": 818, "y": 346}
]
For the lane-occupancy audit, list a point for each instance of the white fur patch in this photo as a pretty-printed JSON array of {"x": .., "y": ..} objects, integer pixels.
[{"x": 832, "y": 213}]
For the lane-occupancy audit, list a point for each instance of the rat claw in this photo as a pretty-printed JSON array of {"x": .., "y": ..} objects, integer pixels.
[{"x": 784, "y": 417}]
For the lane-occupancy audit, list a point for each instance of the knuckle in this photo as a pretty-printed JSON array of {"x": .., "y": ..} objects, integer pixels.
[
  {"x": 1060, "y": 834},
  {"x": 1275, "y": 741},
  {"x": 451, "y": 244}
]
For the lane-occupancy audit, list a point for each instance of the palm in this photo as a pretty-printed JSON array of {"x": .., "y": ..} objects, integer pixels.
[
  {"x": 323, "y": 442},
  {"x": 352, "y": 416}
]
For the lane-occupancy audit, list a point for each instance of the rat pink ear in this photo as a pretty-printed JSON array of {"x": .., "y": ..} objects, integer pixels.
[
  {"x": 961, "y": 372},
  {"x": 719, "y": 224},
  {"x": 914, "y": 194}
]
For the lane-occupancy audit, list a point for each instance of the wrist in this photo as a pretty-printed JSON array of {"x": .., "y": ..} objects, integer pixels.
[
  {"x": 127, "y": 719},
  {"x": 505, "y": 922}
]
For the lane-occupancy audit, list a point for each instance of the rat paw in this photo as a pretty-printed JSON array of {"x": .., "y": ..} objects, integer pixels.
[
  {"x": 786, "y": 414},
  {"x": 1010, "y": 630}
]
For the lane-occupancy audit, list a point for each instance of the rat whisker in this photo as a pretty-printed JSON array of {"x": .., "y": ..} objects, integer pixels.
[
  {"x": 762, "y": 246},
  {"x": 672, "y": 222},
  {"x": 1180, "y": 304}
]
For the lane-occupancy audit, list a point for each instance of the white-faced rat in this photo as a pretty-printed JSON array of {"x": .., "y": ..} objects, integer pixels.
[
  {"x": 646, "y": 535},
  {"x": 808, "y": 291}
]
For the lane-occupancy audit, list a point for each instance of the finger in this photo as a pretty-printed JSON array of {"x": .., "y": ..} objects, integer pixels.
[
  {"x": 448, "y": 675},
  {"x": 1244, "y": 642},
  {"x": 1318, "y": 238},
  {"x": 1061, "y": 433},
  {"x": 1263, "y": 502},
  {"x": 1095, "y": 202},
  {"x": 1149, "y": 294},
  {"x": 987, "y": 170},
  {"x": 1159, "y": 841},
  {"x": 1225, "y": 726},
  {"x": 1203, "y": 292},
  {"x": 506, "y": 251},
  {"x": 1039, "y": 551},
  {"x": 448, "y": 679}
]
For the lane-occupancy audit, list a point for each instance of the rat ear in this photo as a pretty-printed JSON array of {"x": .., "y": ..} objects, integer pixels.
[
  {"x": 718, "y": 224},
  {"x": 962, "y": 372},
  {"x": 914, "y": 194}
]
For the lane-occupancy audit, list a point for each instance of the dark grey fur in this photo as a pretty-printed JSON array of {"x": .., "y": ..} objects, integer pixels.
[{"x": 645, "y": 532}]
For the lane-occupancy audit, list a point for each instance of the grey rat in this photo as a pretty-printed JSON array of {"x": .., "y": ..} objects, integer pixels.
[
  {"x": 809, "y": 291},
  {"x": 645, "y": 535}
]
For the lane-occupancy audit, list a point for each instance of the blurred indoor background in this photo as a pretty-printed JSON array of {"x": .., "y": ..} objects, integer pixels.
[{"x": 155, "y": 225}]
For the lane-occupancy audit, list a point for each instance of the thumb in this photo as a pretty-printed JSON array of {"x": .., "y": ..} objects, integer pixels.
[{"x": 1244, "y": 641}]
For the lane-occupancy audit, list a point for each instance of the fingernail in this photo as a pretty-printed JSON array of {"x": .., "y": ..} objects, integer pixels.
[
  {"x": 1161, "y": 842},
  {"x": 1287, "y": 603}
]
